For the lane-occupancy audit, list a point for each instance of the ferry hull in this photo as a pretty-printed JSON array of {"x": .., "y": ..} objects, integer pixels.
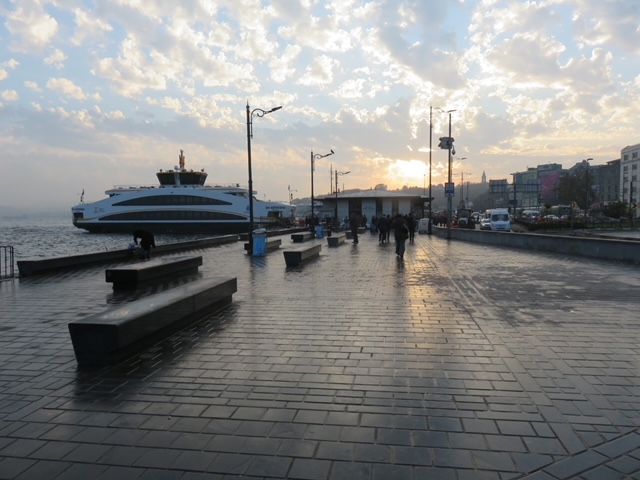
[{"x": 163, "y": 227}]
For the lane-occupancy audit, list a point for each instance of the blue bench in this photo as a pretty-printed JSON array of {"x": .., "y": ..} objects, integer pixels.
[
  {"x": 336, "y": 239},
  {"x": 295, "y": 256},
  {"x": 130, "y": 276},
  {"x": 106, "y": 337},
  {"x": 302, "y": 237}
]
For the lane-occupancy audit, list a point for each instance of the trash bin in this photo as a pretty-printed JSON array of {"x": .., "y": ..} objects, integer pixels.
[
  {"x": 319, "y": 231},
  {"x": 259, "y": 242}
]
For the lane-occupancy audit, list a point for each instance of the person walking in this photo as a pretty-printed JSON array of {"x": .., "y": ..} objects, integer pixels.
[
  {"x": 411, "y": 224},
  {"x": 400, "y": 233},
  {"x": 389, "y": 227},
  {"x": 146, "y": 242},
  {"x": 354, "y": 224},
  {"x": 382, "y": 229}
]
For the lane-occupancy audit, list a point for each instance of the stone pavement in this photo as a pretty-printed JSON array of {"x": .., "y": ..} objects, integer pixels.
[{"x": 460, "y": 362}]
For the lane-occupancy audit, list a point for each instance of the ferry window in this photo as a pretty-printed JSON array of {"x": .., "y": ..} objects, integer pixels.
[
  {"x": 172, "y": 215},
  {"x": 164, "y": 200}
]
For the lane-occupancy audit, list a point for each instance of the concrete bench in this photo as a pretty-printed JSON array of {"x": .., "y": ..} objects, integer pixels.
[
  {"x": 34, "y": 267},
  {"x": 272, "y": 244},
  {"x": 126, "y": 329},
  {"x": 302, "y": 237},
  {"x": 129, "y": 276},
  {"x": 295, "y": 256},
  {"x": 336, "y": 239}
]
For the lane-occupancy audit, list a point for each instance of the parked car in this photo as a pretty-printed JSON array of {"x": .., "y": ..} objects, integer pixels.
[
  {"x": 485, "y": 224},
  {"x": 551, "y": 218}
]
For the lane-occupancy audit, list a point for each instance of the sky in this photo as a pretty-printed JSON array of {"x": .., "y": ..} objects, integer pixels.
[{"x": 97, "y": 93}]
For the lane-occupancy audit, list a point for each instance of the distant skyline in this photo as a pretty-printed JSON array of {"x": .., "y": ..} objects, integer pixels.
[{"x": 101, "y": 93}]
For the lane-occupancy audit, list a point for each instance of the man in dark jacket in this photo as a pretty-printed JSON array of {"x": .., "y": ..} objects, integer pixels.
[
  {"x": 401, "y": 233},
  {"x": 354, "y": 224},
  {"x": 146, "y": 241}
]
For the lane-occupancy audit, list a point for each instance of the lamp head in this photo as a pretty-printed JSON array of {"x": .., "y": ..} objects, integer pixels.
[
  {"x": 274, "y": 109},
  {"x": 332, "y": 152}
]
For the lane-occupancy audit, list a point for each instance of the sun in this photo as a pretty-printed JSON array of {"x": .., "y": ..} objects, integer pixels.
[{"x": 408, "y": 172}]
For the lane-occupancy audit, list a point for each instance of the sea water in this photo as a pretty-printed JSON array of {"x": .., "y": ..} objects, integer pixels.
[{"x": 36, "y": 237}]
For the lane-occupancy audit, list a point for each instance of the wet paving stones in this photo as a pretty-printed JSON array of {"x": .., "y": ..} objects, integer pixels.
[{"x": 461, "y": 361}]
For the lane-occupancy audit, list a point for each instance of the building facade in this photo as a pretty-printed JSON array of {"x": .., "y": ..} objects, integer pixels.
[{"x": 629, "y": 167}]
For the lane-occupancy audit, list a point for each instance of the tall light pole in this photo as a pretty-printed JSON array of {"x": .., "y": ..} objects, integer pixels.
[
  {"x": 462, "y": 198},
  {"x": 586, "y": 187},
  {"x": 256, "y": 112},
  {"x": 462, "y": 179},
  {"x": 313, "y": 159},
  {"x": 449, "y": 198},
  {"x": 338, "y": 173},
  {"x": 429, "y": 230}
]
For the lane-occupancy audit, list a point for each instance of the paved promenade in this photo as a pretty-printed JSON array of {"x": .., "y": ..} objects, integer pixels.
[{"x": 460, "y": 362}]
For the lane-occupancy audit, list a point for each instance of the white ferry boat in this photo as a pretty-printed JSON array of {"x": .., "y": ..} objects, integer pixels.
[{"x": 182, "y": 203}]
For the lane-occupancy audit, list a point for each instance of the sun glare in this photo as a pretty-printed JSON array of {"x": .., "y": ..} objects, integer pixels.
[{"x": 408, "y": 172}]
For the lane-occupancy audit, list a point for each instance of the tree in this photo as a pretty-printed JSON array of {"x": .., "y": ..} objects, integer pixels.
[
  {"x": 615, "y": 209},
  {"x": 576, "y": 187}
]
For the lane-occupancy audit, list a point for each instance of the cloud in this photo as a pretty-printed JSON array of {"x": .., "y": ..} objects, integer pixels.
[
  {"x": 66, "y": 88},
  {"x": 9, "y": 95},
  {"x": 283, "y": 67},
  {"x": 3, "y": 74},
  {"x": 88, "y": 27},
  {"x": 30, "y": 26},
  {"x": 131, "y": 72},
  {"x": 32, "y": 86},
  {"x": 56, "y": 59},
  {"x": 319, "y": 72},
  {"x": 599, "y": 23}
]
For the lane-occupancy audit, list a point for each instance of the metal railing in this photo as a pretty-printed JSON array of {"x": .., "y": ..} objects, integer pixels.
[{"x": 7, "y": 268}]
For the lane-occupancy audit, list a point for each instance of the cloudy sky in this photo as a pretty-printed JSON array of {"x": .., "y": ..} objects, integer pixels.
[{"x": 96, "y": 93}]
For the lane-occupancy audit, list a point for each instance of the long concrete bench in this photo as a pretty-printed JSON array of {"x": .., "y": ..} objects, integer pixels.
[
  {"x": 129, "y": 276},
  {"x": 116, "y": 333},
  {"x": 302, "y": 237},
  {"x": 34, "y": 267},
  {"x": 336, "y": 239},
  {"x": 295, "y": 256},
  {"x": 272, "y": 244},
  {"x": 361, "y": 230}
]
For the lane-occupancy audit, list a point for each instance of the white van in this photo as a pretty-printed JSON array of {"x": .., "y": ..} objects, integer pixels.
[{"x": 500, "y": 221}]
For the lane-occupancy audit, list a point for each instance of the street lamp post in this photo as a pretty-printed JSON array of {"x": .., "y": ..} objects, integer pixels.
[
  {"x": 429, "y": 230},
  {"x": 313, "y": 159},
  {"x": 586, "y": 187},
  {"x": 338, "y": 173},
  {"x": 449, "y": 198},
  {"x": 256, "y": 112}
]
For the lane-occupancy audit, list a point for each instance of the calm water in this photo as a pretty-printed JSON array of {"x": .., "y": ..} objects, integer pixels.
[{"x": 35, "y": 238}]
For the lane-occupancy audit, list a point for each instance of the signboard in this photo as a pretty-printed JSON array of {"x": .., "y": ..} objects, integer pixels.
[
  {"x": 449, "y": 189},
  {"x": 497, "y": 186}
]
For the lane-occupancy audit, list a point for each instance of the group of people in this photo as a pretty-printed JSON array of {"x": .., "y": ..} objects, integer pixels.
[{"x": 403, "y": 226}]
